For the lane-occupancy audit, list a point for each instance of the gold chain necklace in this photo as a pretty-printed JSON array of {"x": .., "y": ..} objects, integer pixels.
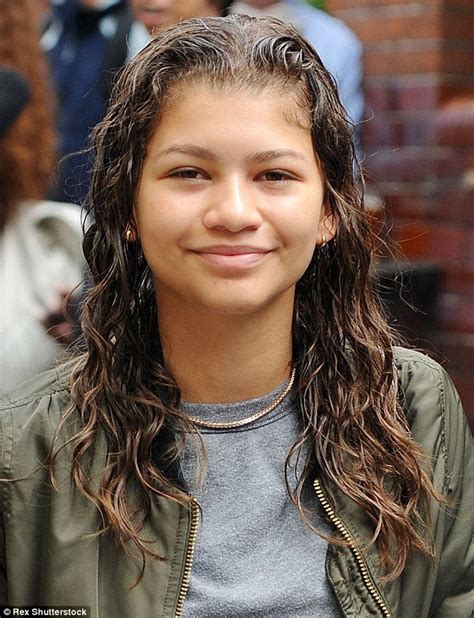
[{"x": 249, "y": 419}]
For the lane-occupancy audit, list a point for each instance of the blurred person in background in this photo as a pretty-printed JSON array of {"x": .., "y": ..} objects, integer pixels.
[
  {"x": 151, "y": 15},
  {"x": 40, "y": 241},
  {"x": 339, "y": 48},
  {"x": 87, "y": 41},
  {"x": 85, "y": 44}
]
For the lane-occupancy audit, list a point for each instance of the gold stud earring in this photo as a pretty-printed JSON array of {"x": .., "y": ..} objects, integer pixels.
[
  {"x": 128, "y": 233},
  {"x": 324, "y": 241}
]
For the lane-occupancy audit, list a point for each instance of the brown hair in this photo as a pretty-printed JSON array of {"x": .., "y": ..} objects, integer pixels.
[
  {"x": 354, "y": 426},
  {"x": 27, "y": 150}
]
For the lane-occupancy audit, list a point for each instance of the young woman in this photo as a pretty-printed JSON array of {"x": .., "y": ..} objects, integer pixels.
[{"x": 239, "y": 437}]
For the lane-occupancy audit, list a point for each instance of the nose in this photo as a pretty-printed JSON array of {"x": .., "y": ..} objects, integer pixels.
[{"x": 232, "y": 207}]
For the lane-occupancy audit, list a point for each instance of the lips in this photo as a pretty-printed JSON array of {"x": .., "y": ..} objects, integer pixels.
[
  {"x": 232, "y": 256},
  {"x": 151, "y": 18},
  {"x": 232, "y": 249}
]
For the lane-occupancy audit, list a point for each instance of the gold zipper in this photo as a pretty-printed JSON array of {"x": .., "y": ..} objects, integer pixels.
[
  {"x": 347, "y": 536},
  {"x": 188, "y": 562}
]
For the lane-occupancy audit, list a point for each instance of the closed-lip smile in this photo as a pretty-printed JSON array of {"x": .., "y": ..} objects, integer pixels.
[
  {"x": 232, "y": 257},
  {"x": 232, "y": 250}
]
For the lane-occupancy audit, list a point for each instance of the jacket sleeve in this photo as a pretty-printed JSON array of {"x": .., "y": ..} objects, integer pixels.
[
  {"x": 3, "y": 570},
  {"x": 456, "y": 556},
  {"x": 3, "y": 489}
]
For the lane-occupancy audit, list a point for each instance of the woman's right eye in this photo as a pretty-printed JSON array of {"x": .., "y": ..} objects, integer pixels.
[{"x": 187, "y": 174}]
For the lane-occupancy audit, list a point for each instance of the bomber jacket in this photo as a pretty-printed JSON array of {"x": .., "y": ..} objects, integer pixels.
[{"x": 49, "y": 555}]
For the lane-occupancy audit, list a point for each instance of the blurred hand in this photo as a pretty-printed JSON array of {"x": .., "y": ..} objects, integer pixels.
[{"x": 61, "y": 322}]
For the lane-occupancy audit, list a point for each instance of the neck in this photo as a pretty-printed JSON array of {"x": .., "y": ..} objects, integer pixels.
[{"x": 221, "y": 358}]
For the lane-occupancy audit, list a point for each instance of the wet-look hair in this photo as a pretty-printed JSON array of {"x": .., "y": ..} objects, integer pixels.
[{"x": 354, "y": 429}]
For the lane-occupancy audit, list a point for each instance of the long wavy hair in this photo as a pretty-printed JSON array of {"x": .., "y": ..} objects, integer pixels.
[
  {"x": 27, "y": 156},
  {"x": 355, "y": 430}
]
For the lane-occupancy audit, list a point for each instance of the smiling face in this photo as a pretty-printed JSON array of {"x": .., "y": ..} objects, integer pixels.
[
  {"x": 229, "y": 208},
  {"x": 159, "y": 13}
]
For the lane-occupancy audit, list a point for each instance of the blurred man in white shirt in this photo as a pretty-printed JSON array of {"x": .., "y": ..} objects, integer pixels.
[{"x": 339, "y": 48}]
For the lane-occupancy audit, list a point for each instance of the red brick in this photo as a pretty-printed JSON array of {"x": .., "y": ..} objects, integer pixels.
[
  {"x": 456, "y": 314},
  {"x": 469, "y": 249},
  {"x": 402, "y": 62},
  {"x": 399, "y": 94},
  {"x": 379, "y": 95},
  {"x": 454, "y": 124},
  {"x": 412, "y": 237},
  {"x": 455, "y": 203},
  {"x": 447, "y": 242},
  {"x": 442, "y": 204},
  {"x": 457, "y": 59},
  {"x": 462, "y": 5},
  {"x": 426, "y": 25},
  {"x": 459, "y": 282},
  {"x": 382, "y": 130},
  {"x": 419, "y": 159},
  {"x": 458, "y": 25},
  {"x": 335, "y": 6},
  {"x": 408, "y": 204},
  {"x": 419, "y": 96},
  {"x": 458, "y": 350},
  {"x": 414, "y": 164},
  {"x": 454, "y": 87}
]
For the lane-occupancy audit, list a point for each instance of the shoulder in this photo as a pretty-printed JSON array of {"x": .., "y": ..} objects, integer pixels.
[
  {"x": 29, "y": 418},
  {"x": 433, "y": 408},
  {"x": 52, "y": 385},
  {"x": 31, "y": 391},
  {"x": 423, "y": 382}
]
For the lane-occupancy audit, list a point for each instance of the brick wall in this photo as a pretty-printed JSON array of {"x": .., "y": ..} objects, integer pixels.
[{"x": 419, "y": 144}]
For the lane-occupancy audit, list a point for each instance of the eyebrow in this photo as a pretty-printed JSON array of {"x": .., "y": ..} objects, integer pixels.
[
  {"x": 271, "y": 155},
  {"x": 199, "y": 152},
  {"x": 187, "y": 149}
]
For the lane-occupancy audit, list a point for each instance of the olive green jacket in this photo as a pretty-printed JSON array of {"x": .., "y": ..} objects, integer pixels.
[{"x": 48, "y": 555}]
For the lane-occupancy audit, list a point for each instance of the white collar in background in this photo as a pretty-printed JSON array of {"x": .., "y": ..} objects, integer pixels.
[
  {"x": 138, "y": 37},
  {"x": 280, "y": 10}
]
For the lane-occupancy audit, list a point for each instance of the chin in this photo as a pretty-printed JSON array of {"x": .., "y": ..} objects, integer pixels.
[
  {"x": 239, "y": 306},
  {"x": 235, "y": 309}
]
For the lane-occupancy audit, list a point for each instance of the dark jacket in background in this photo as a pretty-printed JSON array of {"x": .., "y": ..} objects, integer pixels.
[{"x": 85, "y": 47}]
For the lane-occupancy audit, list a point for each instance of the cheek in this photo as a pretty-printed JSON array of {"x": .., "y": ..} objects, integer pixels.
[
  {"x": 158, "y": 219},
  {"x": 301, "y": 227}
]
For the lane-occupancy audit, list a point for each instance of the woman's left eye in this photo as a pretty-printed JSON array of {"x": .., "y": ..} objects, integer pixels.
[
  {"x": 276, "y": 176},
  {"x": 189, "y": 174}
]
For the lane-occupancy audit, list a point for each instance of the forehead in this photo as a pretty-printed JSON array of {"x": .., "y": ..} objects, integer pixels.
[
  {"x": 228, "y": 123},
  {"x": 291, "y": 100}
]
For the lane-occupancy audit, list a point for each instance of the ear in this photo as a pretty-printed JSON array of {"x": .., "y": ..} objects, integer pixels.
[
  {"x": 327, "y": 226},
  {"x": 131, "y": 231}
]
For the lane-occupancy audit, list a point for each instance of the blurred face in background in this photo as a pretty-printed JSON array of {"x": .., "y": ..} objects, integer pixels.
[
  {"x": 158, "y": 13},
  {"x": 260, "y": 4}
]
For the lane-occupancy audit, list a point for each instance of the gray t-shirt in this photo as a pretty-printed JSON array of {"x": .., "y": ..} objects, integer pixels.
[{"x": 254, "y": 554}]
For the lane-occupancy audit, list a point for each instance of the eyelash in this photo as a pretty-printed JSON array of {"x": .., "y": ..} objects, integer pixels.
[
  {"x": 184, "y": 174},
  {"x": 194, "y": 174},
  {"x": 283, "y": 177}
]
